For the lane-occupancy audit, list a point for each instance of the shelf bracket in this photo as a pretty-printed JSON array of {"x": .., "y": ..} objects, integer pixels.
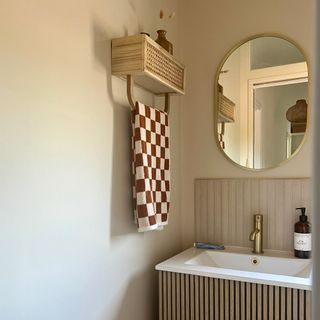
[
  {"x": 167, "y": 103},
  {"x": 132, "y": 100}
]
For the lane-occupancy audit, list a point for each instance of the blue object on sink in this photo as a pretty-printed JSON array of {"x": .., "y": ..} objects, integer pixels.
[{"x": 209, "y": 246}]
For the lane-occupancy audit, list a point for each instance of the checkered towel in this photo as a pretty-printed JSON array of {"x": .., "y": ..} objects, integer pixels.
[{"x": 150, "y": 167}]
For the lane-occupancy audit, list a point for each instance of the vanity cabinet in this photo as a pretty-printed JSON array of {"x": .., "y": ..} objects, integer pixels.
[{"x": 185, "y": 296}]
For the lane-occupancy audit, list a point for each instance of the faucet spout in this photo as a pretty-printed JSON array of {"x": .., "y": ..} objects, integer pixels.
[
  {"x": 254, "y": 234},
  {"x": 257, "y": 234}
]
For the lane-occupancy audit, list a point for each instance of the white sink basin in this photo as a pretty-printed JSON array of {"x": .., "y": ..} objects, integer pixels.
[
  {"x": 272, "y": 267},
  {"x": 252, "y": 263}
]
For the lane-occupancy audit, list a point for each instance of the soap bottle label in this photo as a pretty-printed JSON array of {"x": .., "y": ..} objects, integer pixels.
[{"x": 302, "y": 241}]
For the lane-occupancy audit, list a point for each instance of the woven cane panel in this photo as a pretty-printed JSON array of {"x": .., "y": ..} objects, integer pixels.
[
  {"x": 162, "y": 66},
  {"x": 152, "y": 67},
  {"x": 184, "y": 296}
]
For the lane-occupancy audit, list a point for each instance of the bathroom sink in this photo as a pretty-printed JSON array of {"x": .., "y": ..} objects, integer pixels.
[
  {"x": 252, "y": 263},
  {"x": 233, "y": 263}
]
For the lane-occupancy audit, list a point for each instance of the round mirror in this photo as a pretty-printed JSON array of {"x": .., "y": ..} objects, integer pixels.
[{"x": 261, "y": 102}]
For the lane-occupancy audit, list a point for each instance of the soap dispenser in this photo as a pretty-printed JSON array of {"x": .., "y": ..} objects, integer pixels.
[{"x": 302, "y": 236}]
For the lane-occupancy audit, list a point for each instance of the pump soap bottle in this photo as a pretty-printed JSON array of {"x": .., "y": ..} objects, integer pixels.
[{"x": 302, "y": 236}]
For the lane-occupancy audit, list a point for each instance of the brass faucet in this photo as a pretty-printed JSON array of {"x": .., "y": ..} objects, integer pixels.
[{"x": 257, "y": 234}]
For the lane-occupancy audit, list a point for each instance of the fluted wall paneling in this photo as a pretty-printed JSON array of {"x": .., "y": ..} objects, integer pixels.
[{"x": 224, "y": 210}]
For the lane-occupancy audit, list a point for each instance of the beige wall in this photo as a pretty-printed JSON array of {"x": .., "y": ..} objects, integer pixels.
[
  {"x": 211, "y": 29},
  {"x": 69, "y": 249},
  {"x": 68, "y": 245}
]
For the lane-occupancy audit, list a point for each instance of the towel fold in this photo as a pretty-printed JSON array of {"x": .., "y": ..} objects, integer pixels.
[{"x": 150, "y": 167}]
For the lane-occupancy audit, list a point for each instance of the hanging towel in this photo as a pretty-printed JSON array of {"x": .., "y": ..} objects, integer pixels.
[{"x": 150, "y": 167}]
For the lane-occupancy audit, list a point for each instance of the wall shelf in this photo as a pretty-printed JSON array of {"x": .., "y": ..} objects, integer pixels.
[
  {"x": 152, "y": 67},
  {"x": 226, "y": 107}
]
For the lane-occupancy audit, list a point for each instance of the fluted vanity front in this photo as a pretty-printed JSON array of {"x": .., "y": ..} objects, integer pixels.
[{"x": 234, "y": 284}]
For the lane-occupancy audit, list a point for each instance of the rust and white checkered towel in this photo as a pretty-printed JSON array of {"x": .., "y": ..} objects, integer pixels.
[{"x": 150, "y": 167}]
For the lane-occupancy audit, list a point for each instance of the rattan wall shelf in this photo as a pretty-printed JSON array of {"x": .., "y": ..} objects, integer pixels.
[
  {"x": 152, "y": 67},
  {"x": 226, "y": 107}
]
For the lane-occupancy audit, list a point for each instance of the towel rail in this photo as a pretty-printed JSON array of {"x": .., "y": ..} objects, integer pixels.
[{"x": 132, "y": 100}]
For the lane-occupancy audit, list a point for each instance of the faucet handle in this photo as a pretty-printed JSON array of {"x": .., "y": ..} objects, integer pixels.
[
  {"x": 257, "y": 234},
  {"x": 257, "y": 221}
]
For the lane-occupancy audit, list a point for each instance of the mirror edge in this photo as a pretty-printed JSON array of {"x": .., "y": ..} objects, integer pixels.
[{"x": 215, "y": 102}]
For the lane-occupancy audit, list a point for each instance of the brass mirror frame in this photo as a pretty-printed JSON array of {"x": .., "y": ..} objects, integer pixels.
[{"x": 215, "y": 104}]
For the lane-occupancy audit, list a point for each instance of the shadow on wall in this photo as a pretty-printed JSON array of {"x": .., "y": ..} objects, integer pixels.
[
  {"x": 122, "y": 221},
  {"x": 137, "y": 297}
]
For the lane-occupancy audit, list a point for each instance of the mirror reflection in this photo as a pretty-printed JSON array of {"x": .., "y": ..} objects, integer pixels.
[{"x": 262, "y": 102}]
